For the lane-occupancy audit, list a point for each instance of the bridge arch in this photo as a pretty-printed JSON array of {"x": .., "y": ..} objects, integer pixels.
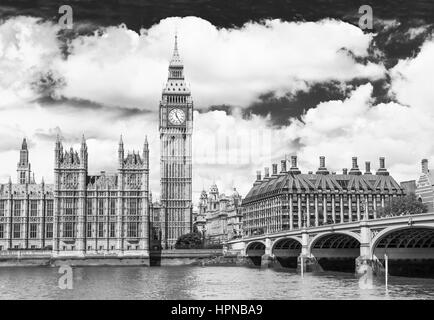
[
  {"x": 410, "y": 250},
  {"x": 336, "y": 251},
  {"x": 289, "y": 240},
  {"x": 350, "y": 235},
  {"x": 286, "y": 251},
  {"x": 255, "y": 250}
]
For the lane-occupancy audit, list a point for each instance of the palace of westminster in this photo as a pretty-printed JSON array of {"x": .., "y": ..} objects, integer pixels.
[{"x": 84, "y": 215}]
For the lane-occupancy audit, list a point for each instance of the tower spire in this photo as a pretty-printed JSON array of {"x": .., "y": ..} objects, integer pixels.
[{"x": 176, "y": 59}]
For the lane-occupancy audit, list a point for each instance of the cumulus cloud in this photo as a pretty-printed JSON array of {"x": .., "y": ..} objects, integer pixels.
[
  {"x": 107, "y": 79},
  {"x": 122, "y": 67}
]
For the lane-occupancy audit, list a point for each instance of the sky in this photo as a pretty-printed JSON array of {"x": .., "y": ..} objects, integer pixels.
[{"x": 267, "y": 82}]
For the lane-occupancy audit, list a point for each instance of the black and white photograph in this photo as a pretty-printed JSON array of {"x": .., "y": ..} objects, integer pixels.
[{"x": 201, "y": 150}]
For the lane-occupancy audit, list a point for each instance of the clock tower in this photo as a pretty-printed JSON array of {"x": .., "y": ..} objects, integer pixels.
[{"x": 176, "y": 127}]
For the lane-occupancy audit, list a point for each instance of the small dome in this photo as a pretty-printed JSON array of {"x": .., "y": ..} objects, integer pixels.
[
  {"x": 214, "y": 189},
  {"x": 235, "y": 194}
]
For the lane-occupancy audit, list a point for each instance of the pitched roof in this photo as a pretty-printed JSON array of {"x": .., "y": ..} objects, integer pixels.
[{"x": 314, "y": 183}]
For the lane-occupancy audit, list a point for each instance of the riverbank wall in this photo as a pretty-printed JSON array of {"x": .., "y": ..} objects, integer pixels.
[{"x": 183, "y": 256}]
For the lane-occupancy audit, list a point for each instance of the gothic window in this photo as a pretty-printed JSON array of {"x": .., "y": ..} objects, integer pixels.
[
  {"x": 112, "y": 229},
  {"x": 132, "y": 206},
  {"x": 100, "y": 229},
  {"x": 89, "y": 206},
  {"x": 2, "y": 231},
  {"x": 33, "y": 230},
  {"x": 112, "y": 207},
  {"x": 69, "y": 206},
  {"x": 49, "y": 208},
  {"x": 22, "y": 177},
  {"x": 2, "y": 208},
  {"x": 16, "y": 231},
  {"x": 132, "y": 230},
  {"x": 68, "y": 230},
  {"x": 33, "y": 208},
  {"x": 100, "y": 207},
  {"x": 89, "y": 230},
  {"x": 17, "y": 208},
  {"x": 49, "y": 230}
]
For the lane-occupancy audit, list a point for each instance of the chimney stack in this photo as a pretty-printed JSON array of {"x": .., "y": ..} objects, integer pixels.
[
  {"x": 322, "y": 168},
  {"x": 355, "y": 168},
  {"x": 294, "y": 168},
  {"x": 283, "y": 166},
  {"x": 382, "y": 171},
  {"x": 267, "y": 172},
  {"x": 425, "y": 169},
  {"x": 274, "y": 165},
  {"x": 368, "y": 167},
  {"x": 258, "y": 175},
  {"x": 344, "y": 171}
]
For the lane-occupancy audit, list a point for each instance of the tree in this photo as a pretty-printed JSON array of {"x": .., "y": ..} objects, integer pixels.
[
  {"x": 189, "y": 241},
  {"x": 406, "y": 205}
]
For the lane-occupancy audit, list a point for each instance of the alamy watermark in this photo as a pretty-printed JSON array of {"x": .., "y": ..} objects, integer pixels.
[
  {"x": 66, "y": 20},
  {"x": 67, "y": 277}
]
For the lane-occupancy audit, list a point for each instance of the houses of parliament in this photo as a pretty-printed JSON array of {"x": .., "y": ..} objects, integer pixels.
[{"x": 109, "y": 213}]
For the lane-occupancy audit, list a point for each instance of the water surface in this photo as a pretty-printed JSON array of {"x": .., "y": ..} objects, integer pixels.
[{"x": 191, "y": 282}]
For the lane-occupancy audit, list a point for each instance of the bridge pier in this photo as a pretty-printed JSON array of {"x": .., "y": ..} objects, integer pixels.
[
  {"x": 366, "y": 264},
  {"x": 310, "y": 263},
  {"x": 267, "y": 258}
]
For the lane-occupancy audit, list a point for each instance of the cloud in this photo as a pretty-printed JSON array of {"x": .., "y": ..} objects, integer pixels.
[
  {"x": 110, "y": 83},
  {"x": 121, "y": 67},
  {"x": 412, "y": 79}
]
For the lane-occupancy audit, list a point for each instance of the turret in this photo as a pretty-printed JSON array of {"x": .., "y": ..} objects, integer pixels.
[
  {"x": 83, "y": 152},
  {"x": 23, "y": 166},
  {"x": 121, "y": 152},
  {"x": 146, "y": 153}
]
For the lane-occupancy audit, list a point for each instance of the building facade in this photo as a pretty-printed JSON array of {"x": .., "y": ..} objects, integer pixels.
[
  {"x": 425, "y": 186},
  {"x": 289, "y": 199},
  {"x": 219, "y": 216},
  {"x": 80, "y": 214},
  {"x": 176, "y": 128}
]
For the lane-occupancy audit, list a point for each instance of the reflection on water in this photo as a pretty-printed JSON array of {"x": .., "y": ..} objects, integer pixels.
[{"x": 187, "y": 282}]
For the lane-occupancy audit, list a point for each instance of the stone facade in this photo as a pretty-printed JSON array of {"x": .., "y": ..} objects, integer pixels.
[
  {"x": 221, "y": 214},
  {"x": 79, "y": 214},
  {"x": 286, "y": 200},
  {"x": 425, "y": 186}
]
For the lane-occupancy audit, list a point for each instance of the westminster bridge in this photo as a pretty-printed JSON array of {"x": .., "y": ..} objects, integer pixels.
[{"x": 362, "y": 246}]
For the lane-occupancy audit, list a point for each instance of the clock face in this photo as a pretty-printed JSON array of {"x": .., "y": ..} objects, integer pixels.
[{"x": 176, "y": 116}]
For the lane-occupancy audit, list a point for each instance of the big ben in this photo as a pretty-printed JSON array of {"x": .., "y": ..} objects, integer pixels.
[{"x": 176, "y": 128}]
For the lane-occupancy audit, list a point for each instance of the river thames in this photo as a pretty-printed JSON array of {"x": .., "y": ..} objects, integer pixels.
[{"x": 192, "y": 282}]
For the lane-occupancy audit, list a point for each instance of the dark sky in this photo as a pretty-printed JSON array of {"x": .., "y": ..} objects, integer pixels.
[
  {"x": 223, "y": 13},
  {"x": 392, "y": 41}
]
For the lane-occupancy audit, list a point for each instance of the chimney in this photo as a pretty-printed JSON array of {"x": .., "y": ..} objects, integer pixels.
[
  {"x": 258, "y": 175},
  {"x": 322, "y": 168},
  {"x": 283, "y": 166},
  {"x": 355, "y": 168},
  {"x": 274, "y": 165},
  {"x": 267, "y": 172},
  {"x": 258, "y": 178},
  {"x": 294, "y": 168},
  {"x": 425, "y": 169},
  {"x": 382, "y": 171},
  {"x": 344, "y": 171},
  {"x": 368, "y": 167}
]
